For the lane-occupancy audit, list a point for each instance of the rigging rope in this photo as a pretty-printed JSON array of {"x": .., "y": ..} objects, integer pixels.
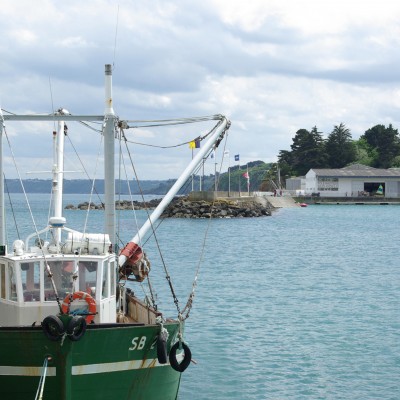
[
  {"x": 122, "y": 163},
  {"x": 75, "y": 273},
  {"x": 168, "y": 122},
  {"x": 189, "y": 303},
  {"x": 39, "y": 393},
  {"x": 165, "y": 122},
  {"x": 186, "y": 310},
  {"x": 84, "y": 169},
  {"x": 168, "y": 277},
  {"x": 50, "y": 275},
  {"x": 12, "y": 207}
]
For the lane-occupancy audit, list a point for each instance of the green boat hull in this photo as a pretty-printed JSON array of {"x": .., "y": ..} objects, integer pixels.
[{"x": 112, "y": 361}]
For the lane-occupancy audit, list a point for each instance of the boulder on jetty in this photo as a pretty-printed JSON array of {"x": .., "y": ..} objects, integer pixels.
[
  {"x": 119, "y": 205},
  {"x": 184, "y": 208},
  {"x": 181, "y": 207}
]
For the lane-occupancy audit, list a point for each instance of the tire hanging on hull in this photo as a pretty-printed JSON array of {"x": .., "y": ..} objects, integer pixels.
[
  {"x": 76, "y": 328},
  {"x": 162, "y": 355},
  {"x": 53, "y": 328},
  {"x": 180, "y": 367}
]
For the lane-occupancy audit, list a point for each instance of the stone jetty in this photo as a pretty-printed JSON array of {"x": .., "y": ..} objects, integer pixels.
[
  {"x": 181, "y": 207},
  {"x": 119, "y": 205},
  {"x": 184, "y": 208}
]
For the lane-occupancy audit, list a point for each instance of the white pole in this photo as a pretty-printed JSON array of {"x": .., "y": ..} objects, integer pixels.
[
  {"x": 229, "y": 171},
  {"x": 248, "y": 181},
  {"x": 2, "y": 211},
  {"x": 239, "y": 178},
  {"x": 279, "y": 177},
  {"x": 215, "y": 175},
  {"x": 109, "y": 158},
  {"x": 192, "y": 176},
  {"x": 178, "y": 184},
  {"x": 58, "y": 174},
  {"x": 202, "y": 176}
]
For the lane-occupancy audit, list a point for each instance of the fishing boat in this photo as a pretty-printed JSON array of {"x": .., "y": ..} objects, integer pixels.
[{"x": 71, "y": 327}]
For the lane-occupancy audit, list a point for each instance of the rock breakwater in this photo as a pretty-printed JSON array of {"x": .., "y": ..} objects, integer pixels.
[
  {"x": 119, "y": 205},
  {"x": 181, "y": 207}
]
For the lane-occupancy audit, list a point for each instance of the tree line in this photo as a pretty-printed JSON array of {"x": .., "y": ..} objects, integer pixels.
[{"x": 378, "y": 147}]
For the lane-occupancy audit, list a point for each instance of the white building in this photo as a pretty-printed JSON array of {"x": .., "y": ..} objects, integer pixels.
[
  {"x": 296, "y": 186},
  {"x": 354, "y": 180}
]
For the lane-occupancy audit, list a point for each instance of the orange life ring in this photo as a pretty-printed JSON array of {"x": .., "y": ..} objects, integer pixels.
[{"x": 81, "y": 296}]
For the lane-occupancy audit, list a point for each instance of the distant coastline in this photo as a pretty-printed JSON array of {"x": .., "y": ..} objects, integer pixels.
[
  {"x": 84, "y": 186},
  {"x": 159, "y": 187}
]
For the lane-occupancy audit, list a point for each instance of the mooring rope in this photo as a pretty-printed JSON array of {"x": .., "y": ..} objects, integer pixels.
[{"x": 39, "y": 393}]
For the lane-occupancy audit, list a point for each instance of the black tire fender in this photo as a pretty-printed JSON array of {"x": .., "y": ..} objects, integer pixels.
[
  {"x": 53, "y": 328},
  {"x": 76, "y": 328},
  {"x": 162, "y": 348},
  {"x": 186, "y": 359}
]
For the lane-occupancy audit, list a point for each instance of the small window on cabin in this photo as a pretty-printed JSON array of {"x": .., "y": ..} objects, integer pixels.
[
  {"x": 30, "y": 275},
  {"x": 112, "y": 277},
  {"x": 62, "y": 272},
  {"x": 2, "y": 281},
  {"x": 12, "y": 284},
  {"x": 104, "y": 292},
  {"x": 88, "y": 277}
]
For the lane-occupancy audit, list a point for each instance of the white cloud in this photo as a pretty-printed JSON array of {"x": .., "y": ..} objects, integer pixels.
[
  {"x": 74, "y": 41},
  {"x": 23, "y": 36},
  {"x": 271, "y": 66}
]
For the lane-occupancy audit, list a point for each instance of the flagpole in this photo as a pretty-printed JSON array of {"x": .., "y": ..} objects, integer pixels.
[
  {"x": 202, "y": 176},
  {"x": 229, "y": 175},
  {"x": 248, "y": 181},
  {"x": 192, "y": 176},
  {"x": 214, "y": 156},
  {"x": 237, "y": 158},
  {"x": 239, "y": 179}
]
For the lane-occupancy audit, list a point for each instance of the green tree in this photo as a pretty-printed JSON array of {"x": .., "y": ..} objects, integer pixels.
[
  {"x": 340, "y": 148},
  {"x": 285, "y": 163},
  {"x": 257, "y": 171},
  {"x": 308, "y": 151},
  {"x": 386, "y": 142},
  {"x": 365, "y": 153}
]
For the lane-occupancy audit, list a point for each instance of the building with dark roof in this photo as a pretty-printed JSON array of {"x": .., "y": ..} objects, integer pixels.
[{"x": 354, "y": 180}]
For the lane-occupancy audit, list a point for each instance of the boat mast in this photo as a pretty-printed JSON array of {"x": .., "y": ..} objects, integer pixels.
[
  {"x": 2, "y": 210},
  {"x": 109, "y": 158},
  {"x": 58, "y": 174}
]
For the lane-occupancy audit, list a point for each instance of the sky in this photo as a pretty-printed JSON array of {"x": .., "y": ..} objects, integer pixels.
[{"x": 271, "y": 66}]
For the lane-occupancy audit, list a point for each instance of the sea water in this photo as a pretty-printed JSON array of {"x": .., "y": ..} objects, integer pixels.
[{"x": 304, "y": 304}]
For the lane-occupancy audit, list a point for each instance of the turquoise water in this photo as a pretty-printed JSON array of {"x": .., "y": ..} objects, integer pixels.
[{"x": 301, "y": 305}]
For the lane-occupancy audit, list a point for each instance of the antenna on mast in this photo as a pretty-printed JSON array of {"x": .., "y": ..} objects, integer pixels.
[{"x": 115, "y": 38}]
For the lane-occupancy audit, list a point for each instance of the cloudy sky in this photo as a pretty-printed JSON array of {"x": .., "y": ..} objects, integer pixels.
[{"x": 271, "y": 66}]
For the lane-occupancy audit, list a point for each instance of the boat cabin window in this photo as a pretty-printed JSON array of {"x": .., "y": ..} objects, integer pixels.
[
  {"x": 87, "y": 277},
  {"x": 112, "y": 277},
  {"x": 62, "y": 275},
  {"x": 8, "y": 288},
  {"x": 30, "y": 275},
  {"x": 105, "y": 290},
  {"x": 2, "y": 281}
]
